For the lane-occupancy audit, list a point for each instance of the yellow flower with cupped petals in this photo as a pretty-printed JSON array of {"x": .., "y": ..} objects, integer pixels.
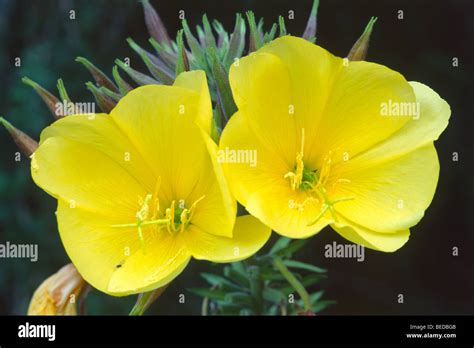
[
  {"x": 339, "y": 143},
  {"x": 140, "y": 191}
]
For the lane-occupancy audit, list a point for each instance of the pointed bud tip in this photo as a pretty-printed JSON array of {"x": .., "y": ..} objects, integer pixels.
[{"x": 359, "y": 49}]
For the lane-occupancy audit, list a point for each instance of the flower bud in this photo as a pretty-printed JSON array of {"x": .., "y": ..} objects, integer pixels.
[
  {"x": 26, "y": 144},
  {"x": 58, "y": 294}
]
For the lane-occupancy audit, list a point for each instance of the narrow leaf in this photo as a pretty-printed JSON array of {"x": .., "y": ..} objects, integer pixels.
[
  {"x": 237, "y": 41},
  {"x": 156, "y": 68},
  {"x": 123, "y": 86},
  {"x": 62, "y": 91},
  {"x": 135, "y": 75},
  {"x": 306, "y": 266},
  {"x": 224, "y": 92},
  {"x": 217, "y": 280},
  {"x": 255, "y": 41},
  {"x": 196, "y": 49},
  {"x": 281, "y": 243},
  {"x": 281, "y": 22},
  {"x": 212, "y": 294},
  {"x": 164, "y": 53},
  {"x": 182, "y": 63},
  {"x": 208, "y": 35}
]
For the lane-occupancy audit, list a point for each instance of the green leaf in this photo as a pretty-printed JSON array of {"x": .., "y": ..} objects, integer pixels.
[
  {"x": 314, "y": 297},
  {"x": 214, "y": 294},
  {"x": 182, "y": 63},
  {"x": 271, "y": 34},
  {"x": 255, "y": 38},
  {"x": 273, "y": 310},
  {"x": 236, "y": 271},
  {"x": 154, "y": 65},
  {"x": 273, "y": 295},
  {"x": 322, "y": 305},
  {"x": 62, "y": 91},
  {"x": 164, "y": 53},
  {"x": 196, "y": 49},
  {"x": 281, "y": 22},
  {"x": 293, "y": 247},
  {"x": 280, "y": 244},
  {"x": 239, "y": 298},
  {"x": 306, "y": 266},
  {"x": 224, "y": 93},
  {"x": 123, "y": 86},
  {"x": 237, "y": 41},
  {"x": 217, "y": 280},
  {"x": 306, "y": 282},
  {"x": 135, "y": 75},
  {"x": 208, "y": 35}
]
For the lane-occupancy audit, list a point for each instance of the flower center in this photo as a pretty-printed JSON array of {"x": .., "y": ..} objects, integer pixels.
[
  {"x": 176, "y": 218},
  {"x": 314, "y": 182}
]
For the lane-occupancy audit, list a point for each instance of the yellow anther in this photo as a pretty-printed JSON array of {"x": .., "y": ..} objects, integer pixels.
[
  {"x": 142, "y": 214},
  {"x": 156, "y": 200},
  {"x": 183, "y": 218},
  {"x": 170, "y": 216},
  {"x": 296, "y": 177},
  {"x": 193, "y": 206}
]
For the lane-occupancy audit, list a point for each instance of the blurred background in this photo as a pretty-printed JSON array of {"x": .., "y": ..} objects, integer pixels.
[{"x": 421, "y": 46}]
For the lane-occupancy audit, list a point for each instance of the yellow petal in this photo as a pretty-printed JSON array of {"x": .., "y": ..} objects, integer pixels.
[
  {"x": 244, "y": 176},
  {"x": 391, "y": 194},
  {"x": 85, "y": 178},
  {"x": 249, "y": 236},
  {"x": 100, "y": 132},
  {"x": 387, "y": 242},
  {"x": 261, "y": 88},
  {"x": 112, "y": 259},
  {"x": 339, "y": 104},
  {"x": 216, "y": 213},
  {"x": 158, "y": 120},
  {"x": 433, "y": 119},
  {"x": 196, "y": 81},
  {"x": 262, "y": 188},
  {"x": 286, "y": 211}
]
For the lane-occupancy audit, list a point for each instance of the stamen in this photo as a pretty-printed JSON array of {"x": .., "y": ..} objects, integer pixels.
[
  {"x": 170, "y": 216},
  {"x": 297, "y": 177}
]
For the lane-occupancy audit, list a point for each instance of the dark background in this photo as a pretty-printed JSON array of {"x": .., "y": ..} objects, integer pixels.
[{"x": 421, "y": 46}]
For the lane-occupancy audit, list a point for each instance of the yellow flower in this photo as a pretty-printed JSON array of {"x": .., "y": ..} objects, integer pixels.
[
  {"x": 59, "y": 294},
  {"x": 140, "y": 191},
  {"x": 339, "y": 143}
]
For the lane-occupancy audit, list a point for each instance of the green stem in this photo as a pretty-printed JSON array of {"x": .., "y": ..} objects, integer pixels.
[
  {"x": 144, "y": 300},
  {"x": 295, "y": 283},
  {"x": 253, "y": 272}
]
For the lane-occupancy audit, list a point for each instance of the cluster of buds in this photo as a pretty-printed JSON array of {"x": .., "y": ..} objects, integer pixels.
[{"x": 211, "y": 49}]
